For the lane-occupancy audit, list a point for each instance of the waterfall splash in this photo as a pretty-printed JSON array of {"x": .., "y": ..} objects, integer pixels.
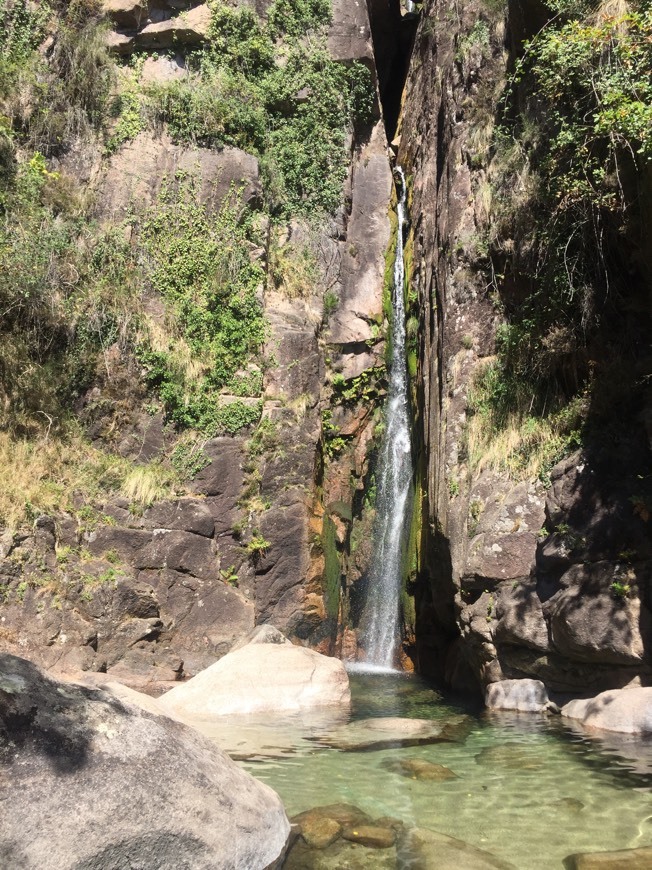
[{"x": 381, "y": 612}]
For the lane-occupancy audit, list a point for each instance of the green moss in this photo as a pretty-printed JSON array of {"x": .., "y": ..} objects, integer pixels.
[
  {"x": 332, "y": 568},
  {"x": 411, "y": 560},
  {"x": 341, "y": 509}
]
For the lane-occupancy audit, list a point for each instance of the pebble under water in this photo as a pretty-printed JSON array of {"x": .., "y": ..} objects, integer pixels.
[{"x": 529, "y": 789}]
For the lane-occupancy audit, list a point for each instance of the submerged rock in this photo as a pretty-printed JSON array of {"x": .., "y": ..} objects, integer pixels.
[
  {"x": 267, "y": 674},
  {"x": 371, "y": 836},
  {"x": 524, "y": 696},
  {"x": 89, "y": 781},
  {"x": 342, "y": 836},
  {"x": 418, "y": 768},
  {"x": 628, "y": 711},
  {"x": 422, "y": 849},
  {"x": 344, "y": 814},
  {"x": 513, "y": 756},
  {"x": 388, "y": 732},
  {"x": 319, "y": 831},
  {"x": 627, "y": 859},
  {"x": 378, "y": 844},
  {"x": 340, "y": 855}
]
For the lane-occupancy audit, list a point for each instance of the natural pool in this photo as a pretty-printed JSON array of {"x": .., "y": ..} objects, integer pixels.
[{"x": 528, "y": 789}]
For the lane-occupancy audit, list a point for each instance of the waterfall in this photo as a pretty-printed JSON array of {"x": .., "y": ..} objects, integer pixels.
[{"x": 394, "y": 481}]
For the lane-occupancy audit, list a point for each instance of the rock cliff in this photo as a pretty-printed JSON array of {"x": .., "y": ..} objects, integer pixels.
[
  {"x": 536, "y": 538},
  {"x": 228, "y": 401}
]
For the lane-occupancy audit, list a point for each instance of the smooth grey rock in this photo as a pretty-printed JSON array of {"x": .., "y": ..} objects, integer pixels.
[
  {"x": 262, "y": 677},
  {"x": 625, "y": 710},
  {"x": 524, "y": 696},
  {"x": 90, "y": 781}
]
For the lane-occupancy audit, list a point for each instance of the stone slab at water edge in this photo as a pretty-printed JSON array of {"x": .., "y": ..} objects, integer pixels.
[
  {"x": 625, "y": 710},
  {"x": 523, "y": 696},
  {"x": 392, "y": 731},
  {"x": 267, "y": 673},
  {"x": 89, "y": 781}
]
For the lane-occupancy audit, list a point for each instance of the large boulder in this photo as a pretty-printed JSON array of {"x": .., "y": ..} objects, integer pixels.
[
  {"x": 90, "y": 781},
  {"x": 267, "y": 674},
  {"x": 626, "y": 710},
  {"x": 524, "y": 696}
]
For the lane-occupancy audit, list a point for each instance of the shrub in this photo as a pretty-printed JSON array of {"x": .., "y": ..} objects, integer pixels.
[{"x": 200, "y": 264}]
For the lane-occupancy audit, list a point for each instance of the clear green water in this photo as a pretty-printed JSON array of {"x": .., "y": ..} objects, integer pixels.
[{"x": 529, "y": 789}]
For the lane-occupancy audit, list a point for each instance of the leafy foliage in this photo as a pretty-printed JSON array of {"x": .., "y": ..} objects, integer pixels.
[
  {"x": 63, "y": 290},
  {"x": 294, "y": 114},
  {"x": 200, "y": 264},
  {"x": 567, "y": 162},
  {"x": 297, "y": 17}
]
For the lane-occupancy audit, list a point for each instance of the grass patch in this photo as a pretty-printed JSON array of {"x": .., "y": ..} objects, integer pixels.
[
  {"x": 504, "y": 434},
  {"x": 46, "y": 475}
]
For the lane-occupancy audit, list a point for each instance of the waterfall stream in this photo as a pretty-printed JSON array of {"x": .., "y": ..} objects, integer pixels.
[{"x": 394, "y": 480}]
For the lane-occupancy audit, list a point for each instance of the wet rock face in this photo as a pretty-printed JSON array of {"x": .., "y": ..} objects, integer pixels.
[{"x": 75, "y": 759}]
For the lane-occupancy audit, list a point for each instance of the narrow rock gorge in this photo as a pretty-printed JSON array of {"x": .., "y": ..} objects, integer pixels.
[
  {"x": 174, "y": 479},
  {"x": 325, "y": 432}
]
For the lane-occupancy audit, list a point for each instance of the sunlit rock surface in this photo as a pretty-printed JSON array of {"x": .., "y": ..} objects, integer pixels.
[
  {"x": 626, "y": 710},
  {"x": 267, "y": 674}
]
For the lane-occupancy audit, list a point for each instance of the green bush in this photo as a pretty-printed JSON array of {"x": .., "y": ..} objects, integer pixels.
[
  {"x": 200, "y": 264},
  {"x": 297, "y": 17},
  {"x": 293, "y": 114}
]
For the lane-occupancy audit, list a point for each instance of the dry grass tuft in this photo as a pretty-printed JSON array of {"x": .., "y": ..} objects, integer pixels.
[{"x": 42, "y": 476}]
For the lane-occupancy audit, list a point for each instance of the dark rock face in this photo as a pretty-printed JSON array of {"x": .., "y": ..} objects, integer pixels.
[
  {"x": 517, "y": 580},
  {"x": 76, "y": 759}
]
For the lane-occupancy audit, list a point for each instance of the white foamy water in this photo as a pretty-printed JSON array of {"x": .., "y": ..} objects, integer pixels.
[{"x": 381, "y": 613}]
